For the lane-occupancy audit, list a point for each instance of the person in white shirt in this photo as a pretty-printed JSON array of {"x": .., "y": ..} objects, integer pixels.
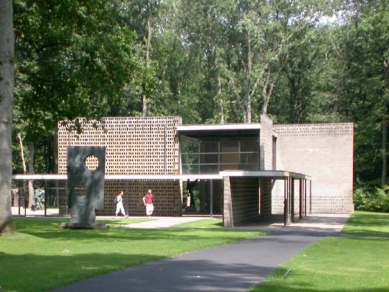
[{"x": 119, "y": 205}]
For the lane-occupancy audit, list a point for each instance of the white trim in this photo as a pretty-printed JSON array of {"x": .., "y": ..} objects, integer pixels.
[
  {"x": 264, "y": 174},
  {"x": 121, "y": 176},
  {"x": 233, "y": 173},
  {"x": 219, "y": 127},
  {"x": 40, "y": 177}
]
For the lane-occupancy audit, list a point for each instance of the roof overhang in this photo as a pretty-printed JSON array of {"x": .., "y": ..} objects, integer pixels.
[
  {"x": 219, "y": 130},
  {"x": 122, "y": 176},
  {"x": 272, "y": 174}
]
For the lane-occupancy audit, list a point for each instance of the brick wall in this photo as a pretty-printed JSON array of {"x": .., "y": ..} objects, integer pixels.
[
  {"x": 133, "y": 146},
  {"x": 242, "y": 194},
  {"x": 266, "y": 143},
  {"x": 325, "y": 152},
  {"x": 266, "y": 197}
]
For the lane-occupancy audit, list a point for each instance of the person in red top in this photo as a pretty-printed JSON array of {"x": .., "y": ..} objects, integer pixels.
[{"x": 148, "y": 201}]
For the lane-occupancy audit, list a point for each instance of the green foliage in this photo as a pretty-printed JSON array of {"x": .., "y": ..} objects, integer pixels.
[
  {"x": 222, "y": 61},
  {"x": 372, "y": 199},
  {"x": 73, "y": 59}
]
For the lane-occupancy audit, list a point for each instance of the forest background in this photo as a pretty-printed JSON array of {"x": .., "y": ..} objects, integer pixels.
[{"x": 219, "y": 61}]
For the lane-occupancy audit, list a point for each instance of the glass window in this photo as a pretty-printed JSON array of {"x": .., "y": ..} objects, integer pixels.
[
  {"x": 209, "y": 146},
  {"x": 209, "y": 168},
  {"x": 221, "y": 154},
  {"x": 249, "y": 145},
  {"x": 190, "y": 168},
  {"x": 209, "y": 158}
]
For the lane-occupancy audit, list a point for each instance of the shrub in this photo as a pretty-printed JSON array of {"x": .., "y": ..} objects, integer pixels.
[{"x": 372, "y": 199}]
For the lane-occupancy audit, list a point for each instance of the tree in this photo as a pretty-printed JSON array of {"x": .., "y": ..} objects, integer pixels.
[
  {"x": 370, "y": 66},
  {"x": 74, "y": 59},
  {"x": 6, "y": 105}
]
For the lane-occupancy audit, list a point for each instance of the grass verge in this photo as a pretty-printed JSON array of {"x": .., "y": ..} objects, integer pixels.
[
  {"x": 41, "y": 256},
  {"x": 358, "y": 262}
]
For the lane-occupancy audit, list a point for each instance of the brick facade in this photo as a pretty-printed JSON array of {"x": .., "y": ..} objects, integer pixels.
[
  {"x": 149, "y": 146},
  {"x": 325, "y": 152},
  {"x": 133, "y": 146},
  {"x": 266, "y": 143}
]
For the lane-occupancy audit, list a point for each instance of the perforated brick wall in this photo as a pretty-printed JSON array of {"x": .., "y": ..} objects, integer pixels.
[
  {"x": 133, "y": 146},
  {"x": 325, "y": 152}
]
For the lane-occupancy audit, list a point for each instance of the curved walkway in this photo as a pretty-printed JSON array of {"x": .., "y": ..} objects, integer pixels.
[{"x": 233, "y": 267}]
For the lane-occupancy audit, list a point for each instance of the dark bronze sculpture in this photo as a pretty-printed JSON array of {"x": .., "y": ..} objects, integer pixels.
[{"x": 85, "y": 186}]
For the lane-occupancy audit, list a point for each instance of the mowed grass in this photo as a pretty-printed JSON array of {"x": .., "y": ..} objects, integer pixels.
[
  {"x": 368, "y": 223},
  {"x": 42, "y": 256},
  {"x": 358, "y": 261}
]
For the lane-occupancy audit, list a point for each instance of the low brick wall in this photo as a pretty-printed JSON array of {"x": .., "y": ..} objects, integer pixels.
[{"x": 241, "y": 199}]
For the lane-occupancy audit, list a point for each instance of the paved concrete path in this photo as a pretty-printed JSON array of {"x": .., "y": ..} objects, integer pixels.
[{"x": 233, "y": 267}]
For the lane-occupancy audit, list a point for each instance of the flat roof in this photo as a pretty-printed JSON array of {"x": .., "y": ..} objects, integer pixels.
[
  {"x": 121, "y": 176},
  {"x": 221, "y": 127},
  {"x": 275, "y": 174},
  {"x": 226, "y": 130}
]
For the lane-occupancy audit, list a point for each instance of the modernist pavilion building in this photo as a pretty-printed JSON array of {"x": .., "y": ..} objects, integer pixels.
[{"x": 244, "y": 172}]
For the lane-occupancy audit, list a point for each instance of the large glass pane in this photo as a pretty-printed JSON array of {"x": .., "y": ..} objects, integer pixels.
[
  {"x": 209, "y": 146},
  {"x": 228, "y": 145},
  {"x": 189, "y": 152},
  {"x": 232, "y": 153},
  {"x": 209, "y": 158},
  {"x": 190, "y": 168},
  {"x": 229, "y": 166},
  {"x": 249, "y": 158},
  {"x": 229, "y": 158},
  {"x": 249, "y": 166},
  {"x": 209, "y": 168},
  {"x": 249, "y": 145},
  {"x": 190, "y": 158},
  {"x": 189, "y": 146}
]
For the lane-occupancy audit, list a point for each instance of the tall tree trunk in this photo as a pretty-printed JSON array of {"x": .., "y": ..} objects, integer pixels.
[
  {"x": 31, "y": 170},
  {"x": 384, "y": 148},
  {"x": 247, "y": 114},
  {"x": 221, "y": 102},
  {"x": 22, "y": 153},
  {"x": 148, "y": 62},
  {"x": 385, "y": 127},
  {"x": 6, "y": 106}
]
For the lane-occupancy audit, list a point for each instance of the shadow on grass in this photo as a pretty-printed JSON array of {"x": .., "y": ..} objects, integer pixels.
[{"x": 29, "y": 272}]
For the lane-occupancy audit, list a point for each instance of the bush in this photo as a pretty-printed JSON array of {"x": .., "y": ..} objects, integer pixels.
[{"x": 372, "y": 199}]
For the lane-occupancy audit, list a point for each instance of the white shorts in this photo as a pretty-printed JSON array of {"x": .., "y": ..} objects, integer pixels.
[{"x": 149, "y": 209}]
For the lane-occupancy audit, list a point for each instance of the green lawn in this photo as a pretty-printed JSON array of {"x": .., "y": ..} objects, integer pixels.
[
  {"x": 358, "y": 262},
  {"x": 368, "y": 223},
  {"x": 42, "y": 256}
]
